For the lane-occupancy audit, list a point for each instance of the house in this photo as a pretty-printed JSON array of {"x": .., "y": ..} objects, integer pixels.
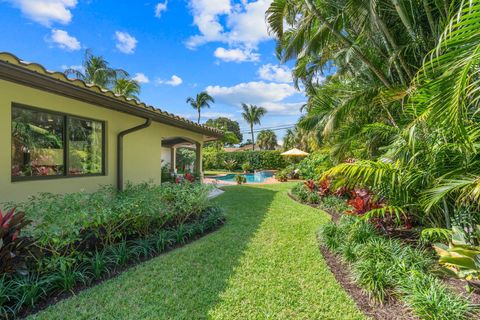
[{"x": 61, "y": 135}]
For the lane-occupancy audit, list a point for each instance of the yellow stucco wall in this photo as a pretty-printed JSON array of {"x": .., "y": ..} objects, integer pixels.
[{"x": 142, "y": 149}]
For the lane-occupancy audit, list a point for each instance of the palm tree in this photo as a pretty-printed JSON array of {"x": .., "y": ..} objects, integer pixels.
[
  {"x": 289, "y": 140},
  {"x": 267, "y": 140},
  {"x": 128, "y": 88},
  {"x": 96, "y": 71},
  {"x": 202, "y": 100},
  {"x": 252, "y": 114}
]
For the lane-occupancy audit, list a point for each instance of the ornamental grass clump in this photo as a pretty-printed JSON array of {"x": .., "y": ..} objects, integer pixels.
[{"x": 388, "y": 268}]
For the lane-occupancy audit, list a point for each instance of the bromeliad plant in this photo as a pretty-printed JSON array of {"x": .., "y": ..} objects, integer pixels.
[
  {"x": 15, "y": 250},
  {"x": 461, "y": 258}
]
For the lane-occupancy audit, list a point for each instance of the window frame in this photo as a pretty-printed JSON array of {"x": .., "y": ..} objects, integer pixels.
[{"x": 66, "y": 146}]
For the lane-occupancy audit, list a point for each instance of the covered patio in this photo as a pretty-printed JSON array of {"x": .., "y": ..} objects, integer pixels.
[{"x": 170, "y": 146}]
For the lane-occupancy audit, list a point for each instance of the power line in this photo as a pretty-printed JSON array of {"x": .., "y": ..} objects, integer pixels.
[{"x": 275, "y": 128}]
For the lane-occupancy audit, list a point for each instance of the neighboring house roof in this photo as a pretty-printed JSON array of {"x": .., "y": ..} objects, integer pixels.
[{"x": 35, "y": 75}]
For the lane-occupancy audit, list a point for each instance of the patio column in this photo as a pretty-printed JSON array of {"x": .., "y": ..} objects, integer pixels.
[
  {"x": 198, "y": 160},
  {"x": 173, "y": 160}
]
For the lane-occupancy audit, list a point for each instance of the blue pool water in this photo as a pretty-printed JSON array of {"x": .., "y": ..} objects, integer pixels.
[{"x": 257, "y": 177}]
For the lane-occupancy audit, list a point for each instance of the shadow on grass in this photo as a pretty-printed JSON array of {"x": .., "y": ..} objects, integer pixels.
[{"x": 182, "y": 284}]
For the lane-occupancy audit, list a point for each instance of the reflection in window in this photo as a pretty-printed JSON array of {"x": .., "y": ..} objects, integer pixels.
[
  {"x": 85, "y": 146},
  {"x": 37, "y": 143}
]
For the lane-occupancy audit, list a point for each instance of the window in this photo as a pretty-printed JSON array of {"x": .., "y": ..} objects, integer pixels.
[{"x": 47, "y": 144}]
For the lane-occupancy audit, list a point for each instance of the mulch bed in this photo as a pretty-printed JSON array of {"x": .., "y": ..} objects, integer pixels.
[
  {"x": 392, "y": 309},
  {"x": 43, "y": 304}
]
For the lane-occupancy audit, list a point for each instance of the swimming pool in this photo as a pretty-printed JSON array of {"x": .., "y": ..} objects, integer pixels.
[{"x": 257, "y": 177}]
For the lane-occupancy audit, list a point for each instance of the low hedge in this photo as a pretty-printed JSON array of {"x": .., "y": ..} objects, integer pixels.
[
  {"x": 84, "y": 237},
  {"x": 260, "y": 159},
  {"x": 387, "y": 268}
]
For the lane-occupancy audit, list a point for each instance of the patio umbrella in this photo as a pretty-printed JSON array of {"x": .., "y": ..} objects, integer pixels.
[{"x": 295, "y": 153}]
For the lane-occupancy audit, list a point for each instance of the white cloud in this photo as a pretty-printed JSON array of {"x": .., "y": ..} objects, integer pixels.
[
  {"x": 271, "y": 96},
  {"x": 236, "y": 55},
  {"x": 206, "y": 16},
  {"x": 174, "y": 81},
  {"x": 275, "y": 73},
  {"x": 160, "y": 7},
  {"x": 46, "y": 12},
  {"x": 125, "y": 42},
  {"x": 241, "y": 26},
  {"x": 63, "y": 40},
  {"x": 141, "y": 78}
]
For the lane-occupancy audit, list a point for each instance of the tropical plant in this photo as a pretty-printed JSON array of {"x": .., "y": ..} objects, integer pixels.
[
  {"x": 202, "y": 100},
  {"x": 247, "y": 167},
  {"x": 253, "y": 114},
  {"x": 15, "y": 249},
  {"x": 461, "y": 258},
  {"x": 240, "y": 178},
  {"x": 267, "y": 140},
  {"x": 230, "y": 164},
  {"x": 128, "y": 88},
  {"x": 96, "y": 71}
]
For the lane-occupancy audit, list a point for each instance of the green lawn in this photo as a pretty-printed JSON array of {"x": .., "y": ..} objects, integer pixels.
[{"x": 263, "y": 264}]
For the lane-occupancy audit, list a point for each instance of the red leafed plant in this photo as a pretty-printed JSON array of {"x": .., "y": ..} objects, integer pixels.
[
  {"x": 15, "y": 250},
  {"x": 362, "y": 201},
  {"x": 189, "y": 177},
  {"x": 310, "y": 184},
  {"x": 324, "y": 187}
]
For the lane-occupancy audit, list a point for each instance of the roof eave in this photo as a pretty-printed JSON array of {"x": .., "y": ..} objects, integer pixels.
[{"x": 34, "y": 79}]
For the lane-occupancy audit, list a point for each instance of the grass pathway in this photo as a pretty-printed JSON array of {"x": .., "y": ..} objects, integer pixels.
[{"x": 263, "y": 264}]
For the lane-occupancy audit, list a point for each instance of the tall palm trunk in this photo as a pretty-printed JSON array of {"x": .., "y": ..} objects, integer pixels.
[
  {"x": 253, "y": 139},
  {"x": 198, "y": 115},
  {"x": 348, "y": 42}
]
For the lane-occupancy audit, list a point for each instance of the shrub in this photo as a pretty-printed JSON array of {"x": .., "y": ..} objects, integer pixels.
[
  {"x": 313, "y": 166},
  {"x": 15, "y": 249},
  {"x": 313, "y": 198},
  {"x": 334, "y": 203},
  {"x": 240, "y": 178},
  {"x": 281, "y": 176},
  {"x": 246, "y": 167},
  {"x": 431, "y": 300},
  {"x": 230, "y": 164}
]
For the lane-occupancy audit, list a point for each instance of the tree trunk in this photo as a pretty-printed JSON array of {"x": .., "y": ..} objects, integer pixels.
[
  {"x": 253, "y": 139},
  {"x": 349, "y": 43},
  {"x": 198, "y": 115}
]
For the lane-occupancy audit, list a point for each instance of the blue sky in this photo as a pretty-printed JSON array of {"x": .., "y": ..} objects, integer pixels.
[{"x": 176, "y": 48}]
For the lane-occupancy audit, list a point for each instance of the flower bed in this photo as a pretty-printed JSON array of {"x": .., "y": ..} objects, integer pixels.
[
  {"x": 385, "y": 268},
  {"x": 82, "y": 238}
]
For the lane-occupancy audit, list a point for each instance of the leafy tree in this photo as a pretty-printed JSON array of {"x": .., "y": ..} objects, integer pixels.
[
  {"x": 267, "y": 140},
  {"x": 97, "y": 71},
  {"x": 202, "y": 100},
  {"x": 226, "y": 124},
  {"x": 253, "y": 114}
]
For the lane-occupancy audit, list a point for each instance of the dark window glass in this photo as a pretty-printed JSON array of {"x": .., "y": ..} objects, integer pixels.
[
  {"x": 37, "y": 143},
  {"x": 85, "y": 146}
]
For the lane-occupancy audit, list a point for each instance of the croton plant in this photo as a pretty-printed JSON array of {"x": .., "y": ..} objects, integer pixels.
[{"x": 15, "y": 250}]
